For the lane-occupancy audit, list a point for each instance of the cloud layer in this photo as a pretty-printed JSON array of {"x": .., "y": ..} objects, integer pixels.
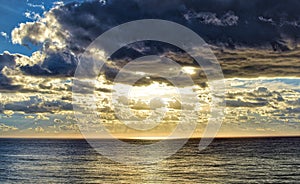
[
  {"x": 246, "y": 44},
  {"x": 250, "y": 39},
  {"x": 270, "y": 106}
]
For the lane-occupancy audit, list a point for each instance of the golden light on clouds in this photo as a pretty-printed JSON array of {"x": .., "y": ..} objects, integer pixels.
[
  {"x": 189, "y": 70},
  {"x": 153, "y": 90}
]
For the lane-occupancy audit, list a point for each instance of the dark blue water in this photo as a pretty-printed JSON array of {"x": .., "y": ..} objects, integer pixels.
[{"x": 260, "y": 160}]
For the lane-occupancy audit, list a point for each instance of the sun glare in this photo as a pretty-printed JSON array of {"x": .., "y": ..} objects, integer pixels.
[
  {"x": 189, "y": 70},
  {"x": 153, "y": 90}
]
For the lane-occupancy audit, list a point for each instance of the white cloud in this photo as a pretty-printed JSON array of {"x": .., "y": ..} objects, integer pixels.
[
  {"x": 4, "y": 34},
  {"x": 40, "y": 6},
  {"x": 32, "y": 15}
]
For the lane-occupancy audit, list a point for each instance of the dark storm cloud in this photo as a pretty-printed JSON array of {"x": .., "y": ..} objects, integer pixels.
[
  {"x": 7, "y": 60},
  {"x": 248, "y": 37},
  {"x": 55, "y": 64},
  {"x": 230, "y": 22},
  {"x": 6, "y": 84}
]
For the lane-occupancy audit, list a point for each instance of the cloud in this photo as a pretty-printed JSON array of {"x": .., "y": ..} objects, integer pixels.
[
  {"x": 228, "y": 19},
  {"x": 259, "y": 38},
  {"x": 7, "y": 128},
  {"x": 250, "y": 39},
  {"x": 32, "y": 15},
  {"x": 251, "y": 63},
  {"x": 59, "y": 63},
  {"x": 38, "y": 32},
  {"x": 6, "y": 83},
  {"x": 250, "y": 107},
  {"x": 85, "y": 21},
  {"x": 175, "y": 104},
  {"x": 39, "y": 129},
  {"x": 260, "y": 97},
  {"x": 272, "y": 97},
  {"x": 7, "y": 60},
  {"x": 40, "y": 6},
  {"x": 19, "y": 72},
  {"x": 272, "y": 107},
  {"x": 38, "y": 104},
  {"x": 4, "y": 34}
]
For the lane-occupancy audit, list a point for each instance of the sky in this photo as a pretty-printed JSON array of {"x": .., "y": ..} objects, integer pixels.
[{"x": 256, "y": 43}]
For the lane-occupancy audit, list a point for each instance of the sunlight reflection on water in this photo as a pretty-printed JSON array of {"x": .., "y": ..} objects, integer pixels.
[{"x": 226, "y": 160}]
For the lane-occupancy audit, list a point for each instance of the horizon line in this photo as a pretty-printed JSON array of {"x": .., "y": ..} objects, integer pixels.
[{"x": 149, "y": 138}]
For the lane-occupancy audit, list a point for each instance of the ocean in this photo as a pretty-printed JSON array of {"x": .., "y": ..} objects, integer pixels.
[{"x": 243, "y": 160}]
